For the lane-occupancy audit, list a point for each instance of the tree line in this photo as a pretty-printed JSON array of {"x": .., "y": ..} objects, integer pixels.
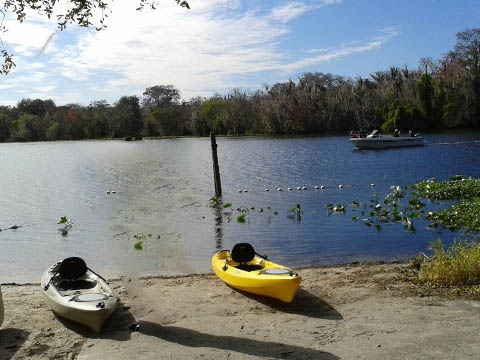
[{"x": 439, "y": 94}]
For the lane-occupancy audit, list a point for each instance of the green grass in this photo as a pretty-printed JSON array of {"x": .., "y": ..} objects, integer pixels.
[{"x": 457, "y": 265}]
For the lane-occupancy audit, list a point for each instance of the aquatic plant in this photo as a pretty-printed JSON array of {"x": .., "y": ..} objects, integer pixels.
[
  {"x": 141, "y": 237},
  {"x": 465, "y": 214},
  {"x": 241, "y": 218},
  {"x": 214, "y": 201},
  {"x": 415, "y": 204},
  {"x": 296, "y": 212},
  {"x": 67, "y": 225},
  {"x": 459, "y": 264},
  {"x": 448, "y": 190}
]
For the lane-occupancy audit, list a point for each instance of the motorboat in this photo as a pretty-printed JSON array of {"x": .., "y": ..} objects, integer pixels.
[
  {"x": 77, "y": 293},
  {"x": 376, "y": 140},
  {"x": 244, "y": 269}
]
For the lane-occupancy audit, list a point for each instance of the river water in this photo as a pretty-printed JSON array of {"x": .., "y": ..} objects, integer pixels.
[{"x": 162, "y": 191}]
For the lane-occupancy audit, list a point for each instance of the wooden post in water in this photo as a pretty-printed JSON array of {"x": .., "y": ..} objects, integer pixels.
[{"x": 216, "y": 169}]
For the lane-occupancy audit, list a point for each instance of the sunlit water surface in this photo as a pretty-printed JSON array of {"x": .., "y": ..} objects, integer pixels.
[{"x": 162, "y": 191}]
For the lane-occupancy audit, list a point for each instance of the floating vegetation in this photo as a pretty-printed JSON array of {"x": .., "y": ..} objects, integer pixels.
[
  {"x": 241, "y": 218},
  {"x": 408, "y": 223},
  {"x": 465, "y": 214},
  {"x": 415, "y": 204},
  {"x": 457, "y": 265},
  {"x": 141, "y": 237},
  {"x": 296, "y": 212},
  {"x": 214, "y": 201},
  {"x": 449, "y": 190},
  {"x": 67, "y": 225}
]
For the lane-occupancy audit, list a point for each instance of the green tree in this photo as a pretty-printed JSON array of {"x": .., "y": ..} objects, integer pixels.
[
  {"x": 160, "y": 97},
  {"x": 4, "y": 130},
  {"x": 37, "y": 107},
  {"x": 26, "y": 128},
  {"x": 214, "y": 112},
  {"x": 54, "y": 131},
  {"x": 167, "y": 121},
  {"x": 127, "y": 117},
  {"x": 467, "y": 52},
  {"x": 425, "y": 99}
]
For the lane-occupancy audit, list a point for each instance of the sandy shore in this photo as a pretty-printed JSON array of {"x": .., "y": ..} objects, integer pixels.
[{"x": 349, "y": 312}]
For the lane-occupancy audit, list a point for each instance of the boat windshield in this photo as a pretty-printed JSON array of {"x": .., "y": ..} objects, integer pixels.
[{"x": 374, "y": 133}]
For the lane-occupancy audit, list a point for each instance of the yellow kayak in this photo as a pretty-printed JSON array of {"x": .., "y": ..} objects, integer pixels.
[{"x": 245, "y": 270}]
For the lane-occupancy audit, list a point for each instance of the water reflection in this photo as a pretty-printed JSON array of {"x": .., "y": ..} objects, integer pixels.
[
  {"x": 218, "y": 212},
  {"x": 162, "y": 186}
]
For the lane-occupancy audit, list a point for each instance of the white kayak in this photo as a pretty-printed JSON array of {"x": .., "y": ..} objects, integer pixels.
[
  {"x": 77, "y": 293},
  {"x": 1, "y": 307}
]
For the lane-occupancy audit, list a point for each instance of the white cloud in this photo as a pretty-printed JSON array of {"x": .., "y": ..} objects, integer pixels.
[
  {"x": 27, "y": 36},
  {"x": 36, "y": 65},
  {"x": 200, "y": 51},
  {"x": 194, "y": 50},
  {"x": 386, "y": 35},
  {"x": 288, "y": 11},
  {"x": 315, "y": 51}
]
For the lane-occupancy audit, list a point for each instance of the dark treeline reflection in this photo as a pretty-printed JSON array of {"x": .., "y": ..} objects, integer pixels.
[{"x": 440, "y": 94}]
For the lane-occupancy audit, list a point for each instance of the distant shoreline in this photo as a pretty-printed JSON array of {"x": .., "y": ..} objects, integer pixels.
[{"x": 271, "y": 136}]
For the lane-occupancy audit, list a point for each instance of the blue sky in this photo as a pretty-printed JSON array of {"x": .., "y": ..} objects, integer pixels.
[{"x": 219, "y": 45}]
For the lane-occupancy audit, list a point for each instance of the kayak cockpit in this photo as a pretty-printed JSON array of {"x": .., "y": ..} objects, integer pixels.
[{"x": 244, "y": 257}]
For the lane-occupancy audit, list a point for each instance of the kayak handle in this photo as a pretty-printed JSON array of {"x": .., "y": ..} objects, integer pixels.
[
  {"x": 101, "y": 305},
  {"x": 265, "y": 257}
]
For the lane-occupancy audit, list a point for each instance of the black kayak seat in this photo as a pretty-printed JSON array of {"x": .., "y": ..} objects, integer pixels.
[
  {"x": 72, "y": 268},
  {"x": 243, "y": 253}
]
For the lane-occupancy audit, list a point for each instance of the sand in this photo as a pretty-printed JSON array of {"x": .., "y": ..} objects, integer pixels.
[{"x": 350, "y": 312}]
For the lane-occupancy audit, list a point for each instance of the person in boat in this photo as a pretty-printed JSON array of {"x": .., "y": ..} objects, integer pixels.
[
  {"x": 353, "y": 134},
  {"x": 396, "y": 133},
  {"x": 410, "y": 133}
]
